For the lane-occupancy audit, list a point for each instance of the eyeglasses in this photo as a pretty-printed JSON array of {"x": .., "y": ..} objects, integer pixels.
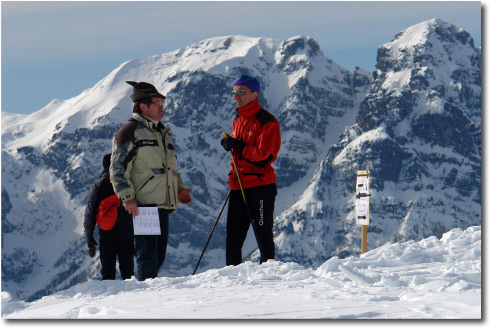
[
  {"x": 240, "y": 92},
  {"x": 158, "y": 103}
]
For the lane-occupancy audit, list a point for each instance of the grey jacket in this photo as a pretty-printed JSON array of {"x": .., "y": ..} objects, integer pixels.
[{"x": 144, "y": 164}]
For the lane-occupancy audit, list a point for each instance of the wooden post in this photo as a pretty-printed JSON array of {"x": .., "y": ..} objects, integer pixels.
[{"x": 364, "y": 239}]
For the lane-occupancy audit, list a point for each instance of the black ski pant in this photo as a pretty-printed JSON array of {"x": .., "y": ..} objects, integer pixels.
[
  {"x": 261, "y": 204},
  {"x": 117, "y": 243},
  {"x": 151, "y": 250}
]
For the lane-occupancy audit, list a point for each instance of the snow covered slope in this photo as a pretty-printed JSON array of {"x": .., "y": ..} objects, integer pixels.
[
  {"x": 430, "y": 279},
  {"x": 333, "y": 122}
]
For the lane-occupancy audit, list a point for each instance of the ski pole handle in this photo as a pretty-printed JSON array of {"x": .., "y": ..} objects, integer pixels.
[{"x": 224, "y": 134}]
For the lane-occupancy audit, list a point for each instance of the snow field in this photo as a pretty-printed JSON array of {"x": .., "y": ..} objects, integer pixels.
[{"x": 430, "y": 279}]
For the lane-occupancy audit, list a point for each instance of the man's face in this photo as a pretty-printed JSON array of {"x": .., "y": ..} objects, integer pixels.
[
  {"x": 246, "y": 98},
  {"x": 154, "y": 110}
]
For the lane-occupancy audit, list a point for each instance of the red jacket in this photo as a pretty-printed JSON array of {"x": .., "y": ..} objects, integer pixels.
[{"x": 261, "y": 135}]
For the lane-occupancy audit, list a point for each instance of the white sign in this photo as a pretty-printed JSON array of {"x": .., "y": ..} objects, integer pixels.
[
  {"x": 147, "y": 222},
  {"x": 362, "y": 198},
  {"x": 362, "y": 211},
  {"x": 362, "y": 185}
]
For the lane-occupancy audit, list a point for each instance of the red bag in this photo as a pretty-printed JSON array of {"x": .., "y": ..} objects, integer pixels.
[{"x": 107, "y": 212}]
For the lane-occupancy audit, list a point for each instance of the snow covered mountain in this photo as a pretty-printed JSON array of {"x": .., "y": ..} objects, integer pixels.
[
  {"x": 418, "y": 132},
  {"x": 415, "y": 126}
]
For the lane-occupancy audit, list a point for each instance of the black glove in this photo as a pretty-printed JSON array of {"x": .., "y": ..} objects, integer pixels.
[
  {"x": 91, "y": 251},
  {"x": 91, "y": 247},
  {"x": 230, "y": 143}
]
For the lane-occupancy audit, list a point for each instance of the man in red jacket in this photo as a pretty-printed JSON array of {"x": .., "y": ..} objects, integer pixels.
[{"x": 254, "y": 143}]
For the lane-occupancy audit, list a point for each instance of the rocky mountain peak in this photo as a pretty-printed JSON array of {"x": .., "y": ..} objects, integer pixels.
[
  {"x": 430, "y": 43},
  {"x": 429, "y": 70},
  {"x": 418, "y": 133}
]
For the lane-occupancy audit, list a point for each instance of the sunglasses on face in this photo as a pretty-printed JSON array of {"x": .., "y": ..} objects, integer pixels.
[
  {"x": 158, "y": 103},
  {"x": 240, "y": 92}
]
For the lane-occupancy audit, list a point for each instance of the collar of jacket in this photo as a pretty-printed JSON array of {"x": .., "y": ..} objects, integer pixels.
[
  {"x": 249, "y": 110},
  {"x": 150, "y": 124}
]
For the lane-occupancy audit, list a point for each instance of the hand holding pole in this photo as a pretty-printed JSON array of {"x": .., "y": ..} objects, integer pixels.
[
  {"x": 245, "y": 200},
  {"x": 236, "y": 170}
]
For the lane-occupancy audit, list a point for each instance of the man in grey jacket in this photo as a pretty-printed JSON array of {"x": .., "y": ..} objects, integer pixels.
[{"x": 144, "y": 172}]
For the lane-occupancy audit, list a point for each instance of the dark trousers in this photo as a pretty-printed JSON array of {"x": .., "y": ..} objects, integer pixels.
[
  {"x": 117, "y": 243},
  {"x": 151, "y": 249},
  {"x": 261, "y": 204}
]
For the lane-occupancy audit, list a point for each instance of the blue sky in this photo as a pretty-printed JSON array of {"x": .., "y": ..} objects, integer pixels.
[{"x": 58, "y": 49}]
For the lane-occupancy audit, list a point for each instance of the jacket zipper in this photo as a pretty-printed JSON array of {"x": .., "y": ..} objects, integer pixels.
[{"x": 144, "y": 184}]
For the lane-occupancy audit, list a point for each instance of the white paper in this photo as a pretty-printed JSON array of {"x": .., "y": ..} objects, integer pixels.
[
  {"x": 362, "y": 186},
  {"x": 362, "y": 211},
  {"x": 147, "y": 222},
  {"x": 362, "y": 207}
]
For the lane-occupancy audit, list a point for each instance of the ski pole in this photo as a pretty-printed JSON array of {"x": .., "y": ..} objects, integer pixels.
[
  {"x": 212, "y": 231},
  {"x": 245, "y": 200}
]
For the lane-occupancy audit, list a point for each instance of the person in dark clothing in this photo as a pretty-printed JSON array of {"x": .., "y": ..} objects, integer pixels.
[
  {"x": 117, "y": 242},
  {"x": 255, "y": 142}
]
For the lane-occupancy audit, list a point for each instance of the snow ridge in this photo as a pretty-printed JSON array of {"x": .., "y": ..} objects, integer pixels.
[{"x": 430, "y": 279}]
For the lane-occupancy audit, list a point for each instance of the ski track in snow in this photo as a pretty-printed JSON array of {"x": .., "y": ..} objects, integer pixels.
[{"x": 430, "y": 279}]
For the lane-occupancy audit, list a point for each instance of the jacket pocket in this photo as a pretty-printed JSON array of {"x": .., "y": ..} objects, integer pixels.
[{"x": 144, "y": 184}]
